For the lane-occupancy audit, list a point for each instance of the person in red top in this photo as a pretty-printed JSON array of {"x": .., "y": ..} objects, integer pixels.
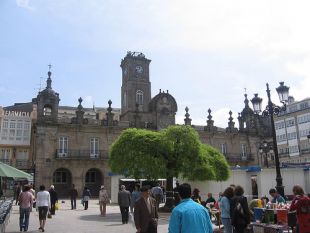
[
  {"x": 301, "y": 204},
  {"x": 25, "y": 201}
]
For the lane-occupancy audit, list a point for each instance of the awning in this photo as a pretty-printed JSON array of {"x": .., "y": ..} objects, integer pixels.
[{"x": 9, "y": 171}]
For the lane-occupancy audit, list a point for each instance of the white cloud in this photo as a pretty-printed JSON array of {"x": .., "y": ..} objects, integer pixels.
[{"x": 24, "y": 4}]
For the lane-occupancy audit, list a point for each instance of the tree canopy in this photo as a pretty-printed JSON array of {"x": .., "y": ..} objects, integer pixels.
[{"x": 172, "y": 152}]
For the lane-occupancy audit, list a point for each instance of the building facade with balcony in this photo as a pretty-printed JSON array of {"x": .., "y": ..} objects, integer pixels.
[
  {"x": 70, "y": 144},
  {"x": 292, "y": 128}
]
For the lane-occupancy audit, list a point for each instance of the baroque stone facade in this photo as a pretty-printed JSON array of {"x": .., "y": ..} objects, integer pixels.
[{"x": 70, "y": 144}]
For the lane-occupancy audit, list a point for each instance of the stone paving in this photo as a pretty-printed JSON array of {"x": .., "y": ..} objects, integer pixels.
[{"x": 82, "y": 221}]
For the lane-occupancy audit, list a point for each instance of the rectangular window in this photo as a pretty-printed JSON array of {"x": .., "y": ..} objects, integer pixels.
[
  {"x": 293, "y": 149},
  {"x": 304, "y": 106},
  {"x": 5, "y": 124},
  {"x": 281, "y": 137},
  {"x": 27, "y": 125},
  {"x": 5, "y": 156},
  {"x": 243, "y": 150},
  {"x": 291, "y": 136},
  {"x": 63, "y": 146},
  {"x": 290, "y": 123},
  {"x": 12, "y": 124},
  {"x": 94, "y": 147},
  {"x": 19, "y": 124},
  {"x": 22, "y": 155},
  {"x": 223, "y": 148}
]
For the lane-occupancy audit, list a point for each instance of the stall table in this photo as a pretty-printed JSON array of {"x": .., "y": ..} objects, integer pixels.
[{"x": 269, "y": 228}]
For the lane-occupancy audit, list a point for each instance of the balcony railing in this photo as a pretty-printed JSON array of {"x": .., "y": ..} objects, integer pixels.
[
  {"x": 6, "y": 161},
  {"x": 284, "y": 154},
  {"x": 305, "y": 151},
  {"x": 239, "y": 158},
  {"x": 81, "y": 154},
  {"x": 23, "y": 164}
]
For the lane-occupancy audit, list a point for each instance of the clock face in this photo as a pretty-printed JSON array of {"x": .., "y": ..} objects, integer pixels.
[{"x": 139, "y": 69}]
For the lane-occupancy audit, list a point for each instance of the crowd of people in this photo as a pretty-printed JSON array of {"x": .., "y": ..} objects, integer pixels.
[
  {"x": 46, "y": 202},
  {"x": 236, "y": 213},
  {"x": 190, "y": 214}
]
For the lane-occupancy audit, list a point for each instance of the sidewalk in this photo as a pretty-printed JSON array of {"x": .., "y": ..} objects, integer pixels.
[{"x": 82, "y": 221}]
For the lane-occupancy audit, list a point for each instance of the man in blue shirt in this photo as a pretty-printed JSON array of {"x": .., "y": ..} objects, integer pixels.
[
  {"x": 189, "y": 216},
  {"x": 276, "y": 197}
]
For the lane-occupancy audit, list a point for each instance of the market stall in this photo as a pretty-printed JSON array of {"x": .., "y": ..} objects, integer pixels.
[{"x": 273, "y": 218}]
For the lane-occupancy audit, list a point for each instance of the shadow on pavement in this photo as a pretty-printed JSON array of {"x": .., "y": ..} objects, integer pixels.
[{"x": 113, "y": 217}]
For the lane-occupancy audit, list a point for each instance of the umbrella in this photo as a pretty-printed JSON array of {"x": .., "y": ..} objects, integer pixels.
[{"x": 8, "y": 171}]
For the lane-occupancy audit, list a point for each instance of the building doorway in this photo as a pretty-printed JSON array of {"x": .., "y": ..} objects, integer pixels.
[
  {"x": 254, "y": 187},
  {"x": 62, "y": 180},
  {"x": 93, "y": 181}
]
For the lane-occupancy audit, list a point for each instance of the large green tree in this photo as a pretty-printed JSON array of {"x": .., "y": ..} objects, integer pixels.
[{"x": 172, "y": 152}]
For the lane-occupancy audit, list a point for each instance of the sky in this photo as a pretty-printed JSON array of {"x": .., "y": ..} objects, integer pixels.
[{"x": 207, "y": 53}]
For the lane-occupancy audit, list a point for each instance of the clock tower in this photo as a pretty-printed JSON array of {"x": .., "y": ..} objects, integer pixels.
[{"x": 136, "y": 86}]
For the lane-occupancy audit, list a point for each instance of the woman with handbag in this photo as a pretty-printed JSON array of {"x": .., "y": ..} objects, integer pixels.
[{"x": 43, "y": 204}]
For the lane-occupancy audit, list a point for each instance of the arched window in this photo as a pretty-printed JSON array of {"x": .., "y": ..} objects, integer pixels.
[
  {"x": 47, "y": 111},
  {"x": 139, "y": 97}
]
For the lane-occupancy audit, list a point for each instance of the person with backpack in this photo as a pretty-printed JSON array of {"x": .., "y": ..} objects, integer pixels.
[
  {"x": 239, "y": 210},
  {"x": 301, "y": 204}
]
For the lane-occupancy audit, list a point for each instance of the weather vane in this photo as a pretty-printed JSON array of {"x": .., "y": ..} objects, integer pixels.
[{"x": 49, "y": 67}]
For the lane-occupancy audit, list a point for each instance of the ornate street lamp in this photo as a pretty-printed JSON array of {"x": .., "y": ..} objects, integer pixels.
[
  {"x": 271, "y": 110},
  {"x": 265, "y": 148}
]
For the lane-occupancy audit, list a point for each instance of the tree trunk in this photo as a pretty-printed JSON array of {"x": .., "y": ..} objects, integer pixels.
[{"x": 169, "y": 195}]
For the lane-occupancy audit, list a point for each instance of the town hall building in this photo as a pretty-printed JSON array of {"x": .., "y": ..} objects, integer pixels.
[{"x": 70, "y": 145}]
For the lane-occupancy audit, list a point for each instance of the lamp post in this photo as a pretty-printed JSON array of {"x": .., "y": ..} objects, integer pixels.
[
  {"x": 271, "y": 110},
  {"x": 264, "y": 148}
]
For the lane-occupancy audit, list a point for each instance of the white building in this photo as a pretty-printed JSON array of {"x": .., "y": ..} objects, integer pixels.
[
  {"x": 292, "y": 128},
  {"x": 15, "y": 135}
]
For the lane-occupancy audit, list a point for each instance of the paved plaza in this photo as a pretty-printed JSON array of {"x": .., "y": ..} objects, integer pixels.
[{"x": 82, "y": 221}]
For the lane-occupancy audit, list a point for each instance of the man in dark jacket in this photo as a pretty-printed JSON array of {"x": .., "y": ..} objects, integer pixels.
[
  {"x": 124, "y": 200},
  {"x": 73, "y": 193},
  {"x": 146, "y": 212},
  {"x": 54, "y": 199}
]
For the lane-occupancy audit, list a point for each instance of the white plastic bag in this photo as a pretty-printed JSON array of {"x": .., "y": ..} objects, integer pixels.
[{"x": 132, "y": 220}]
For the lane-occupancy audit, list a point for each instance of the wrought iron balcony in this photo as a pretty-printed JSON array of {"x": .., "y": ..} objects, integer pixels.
[
  {"x": 23, "y": 164},
  {"x": 81, "y": 154},
  {"x": 239, "y": 157}
]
